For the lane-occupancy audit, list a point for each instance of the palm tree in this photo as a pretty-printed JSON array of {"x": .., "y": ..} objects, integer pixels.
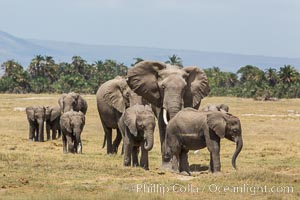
[
  {"x": 271, "y": 76},
  {"x": 36, "y": 67},
  {"x": 137, "y": 60},
  {"x": 288, "y": 74},
  {"x": 174, "y": 60}
]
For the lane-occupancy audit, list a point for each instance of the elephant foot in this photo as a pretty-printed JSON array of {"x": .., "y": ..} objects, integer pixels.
[
  {"x": 185, "y": 173},
  {"x": 166, "y": 165},
  {"x": 216, "y": 173}
]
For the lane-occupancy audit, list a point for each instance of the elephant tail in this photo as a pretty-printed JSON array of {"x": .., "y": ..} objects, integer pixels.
[{"x": 104, "y": 141}]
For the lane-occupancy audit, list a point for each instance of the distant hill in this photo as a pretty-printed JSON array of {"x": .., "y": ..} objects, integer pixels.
[{"x": 23, "y": 50}]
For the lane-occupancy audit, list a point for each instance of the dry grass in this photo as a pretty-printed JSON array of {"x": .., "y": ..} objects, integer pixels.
[{"x": 31, "y": 170}]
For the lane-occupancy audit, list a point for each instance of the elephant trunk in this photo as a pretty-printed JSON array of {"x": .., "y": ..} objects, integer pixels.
[
  {"x": 171, "y": 107},
  {"x": 41, "y": 130},
  {"x": 77, "y": 143},
  {"x": 239, "y": 146},
  {"x": 148, "y": 145}
]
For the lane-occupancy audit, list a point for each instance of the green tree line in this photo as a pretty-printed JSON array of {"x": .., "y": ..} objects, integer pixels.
[{"x": 44, "y": 75}]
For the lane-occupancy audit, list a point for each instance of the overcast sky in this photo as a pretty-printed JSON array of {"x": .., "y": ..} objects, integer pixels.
[{"x": 258, "y": 27}]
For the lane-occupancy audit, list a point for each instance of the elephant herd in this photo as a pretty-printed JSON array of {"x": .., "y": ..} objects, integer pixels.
[
  {"x": 151, "y": 90},
  {"x": 67, "y": 119}
]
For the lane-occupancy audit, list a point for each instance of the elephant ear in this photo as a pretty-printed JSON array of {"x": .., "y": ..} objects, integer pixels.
[
  {"x": 113, "y": 94},
  {"x": 82, "y": 117},
  {"x": 30, "y": 113},
  {"x": 82, "y": 104},
  {"x": 217, "y": 122},
  {"x": 55, "y": 113},
  {"x": 197, "y": 87},
  {"x": 65, "y": 122},
  {"x": 130, "y": 120},
  {"x": 61, "y": 101},
  {"x": 142, "y": 79}
]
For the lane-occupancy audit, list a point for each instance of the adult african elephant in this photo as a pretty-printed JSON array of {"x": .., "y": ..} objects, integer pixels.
[
  {"x": 191, "y": 129},
  {"x": 169, "y": 88},
  {"x": 36, "y": 118},
  {"x": 72, "y": 123},
  {"x": 113, "y": 97},
  {"x": 72, "y": 101},
  {"x": 52, "y": 121},
  {"x": 137, "y": 126}
]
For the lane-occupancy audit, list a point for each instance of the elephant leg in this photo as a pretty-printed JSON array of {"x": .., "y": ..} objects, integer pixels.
[
  {"x": 64, "y": 139},
  {"x": 70, "y": 144},
  {"x": 54, "y": 131},
  {"x": 59, "y": 132},
  {"x": 144, "y": 162},
  {"x": 31, "y": 132},
  {"x": 48, "y": 128},
  {"x": 184, "y": 163},
  {"x": 108, "y": 134},
  {"x": 127, "y": 154},
  {"x": 175, "y": 161},
  {"x": 135, "y": 152},
  {"x": 117, "y": 141},
  {"x": 214, "y": 150},
  {"x": 162, "y": 136}
]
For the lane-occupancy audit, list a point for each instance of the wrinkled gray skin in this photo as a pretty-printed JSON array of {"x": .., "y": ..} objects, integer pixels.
[
  {"x": 169, "y": 88},
  {"x": 52, "y": 121},
  {"x": 191, "y": 129},
  {"x": 215, "y": 107},
  {"x": 113, "y": 97},
  {"x": 72, "y": 124},
  {"x": 72, "y": 101},
  {"x": 36, "y": 118},
  {"x": 137, "y": 126}
]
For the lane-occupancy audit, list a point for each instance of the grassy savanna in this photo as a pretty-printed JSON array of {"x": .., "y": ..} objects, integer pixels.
[{"x": 31, "y": 170}]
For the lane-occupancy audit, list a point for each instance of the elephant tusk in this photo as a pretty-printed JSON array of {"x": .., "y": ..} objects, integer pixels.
[{"x": 165, "y": 116}]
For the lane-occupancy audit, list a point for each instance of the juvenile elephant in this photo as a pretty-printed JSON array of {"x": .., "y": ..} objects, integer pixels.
[
  {"x": 191, "y": 129},
  {"x": 72, "y": 101},
  {"x": 215, "y": 107},
  {"x": 137, "y": 126},
  {"x": 72, "y": 123},
  {"x": 113, "y": 97},
  {"x": 52, "y": 121},
  {"x": 36, "y": 118},
  {"x": 169, "y": 88}
]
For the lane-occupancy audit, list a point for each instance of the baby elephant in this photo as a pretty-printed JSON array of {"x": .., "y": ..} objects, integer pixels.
[
  {"x": 52, "y": 121},
  {"x": 36, "y": 118},
  {"x": 191, "y": 129},
  {"x": 215, "y": 107},
  {"x": 137, "y": 126},
  {"x": 72, "y": 124}
]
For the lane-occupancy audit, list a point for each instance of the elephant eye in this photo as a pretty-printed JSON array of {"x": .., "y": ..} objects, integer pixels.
[
  {"x": 163, "y": 86},
  {"x": 127, "y": 94}
]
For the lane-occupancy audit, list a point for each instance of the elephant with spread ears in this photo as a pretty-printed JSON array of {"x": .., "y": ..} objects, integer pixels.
[
  {"x": 113, "y": 97},
  {"x": 72, "y": 101},
  {"x": 36, "y": 118},
  {"x": 169, "y": 88},
  {"x": 191, "y": 129}
]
